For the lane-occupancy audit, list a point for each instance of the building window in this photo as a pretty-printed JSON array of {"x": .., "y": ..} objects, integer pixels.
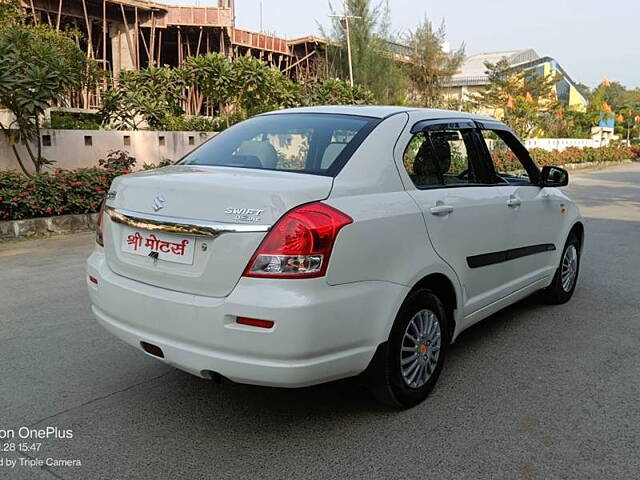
[
  {"x": 127, "y": 140},
  {"x": 161, "y": 141},
  {"x": 46, "y": 140},
  {"x": 192, "y": 140},
  {"x": 88, "y": 140}
]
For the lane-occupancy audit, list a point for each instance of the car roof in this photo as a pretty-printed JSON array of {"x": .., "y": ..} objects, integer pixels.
[{"x": 381, "y": 111}]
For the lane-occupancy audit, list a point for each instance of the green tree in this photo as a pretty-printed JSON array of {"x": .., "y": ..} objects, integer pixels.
[
  {"x": 614, "y": 93},
  {"x": 211, "y": 78},
  {"x": 430, "y": 66},
  {"x": 613, "y": 100},
  {"x": 374, "y": 65},
  {"x": 239, "y": 88},
  {"x": 334, "y": 92},
  {"x": 525, "y": 100},
  {"x": 11, "y": 13},
  {"x": 150, "y": 98},
  {"x": 257, "y": 88},
  {"x": 628, "y": 120},
  {"x": 39, "y": 68},
  {"x": 598, "y": 108}
]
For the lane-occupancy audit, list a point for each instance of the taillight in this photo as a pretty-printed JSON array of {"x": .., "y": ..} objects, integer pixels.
[
  {"x": 299, "y": 244},
  {"x": 99, "y": 236}
]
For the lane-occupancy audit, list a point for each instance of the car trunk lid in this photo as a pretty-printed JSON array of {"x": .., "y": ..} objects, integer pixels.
[{"x": 203, "y": 223}]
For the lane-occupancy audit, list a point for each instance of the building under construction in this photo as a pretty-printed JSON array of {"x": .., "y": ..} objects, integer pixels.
[{"x": 136, "y": 34}]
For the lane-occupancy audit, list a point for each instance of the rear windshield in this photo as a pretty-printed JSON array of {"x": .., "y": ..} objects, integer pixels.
[{"x": 319, "y": 144}]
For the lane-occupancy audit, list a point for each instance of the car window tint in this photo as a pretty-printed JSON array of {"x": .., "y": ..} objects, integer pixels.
[
  {"x": 291, "y": 149},
  {"x": 441, "y": 158},
  {"x": 508, "y": 167},
  {"x": 307, "y": 143}
]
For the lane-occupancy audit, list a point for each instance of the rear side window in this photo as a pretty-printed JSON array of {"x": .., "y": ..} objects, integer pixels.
[{"x": 307, "y": 143}]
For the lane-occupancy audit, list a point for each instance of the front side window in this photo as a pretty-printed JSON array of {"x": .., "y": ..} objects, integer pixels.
[
  {"x": 306, "y": 143},
  {"x": 437, "y": 158},
  {"x": 508, "y": 157}
]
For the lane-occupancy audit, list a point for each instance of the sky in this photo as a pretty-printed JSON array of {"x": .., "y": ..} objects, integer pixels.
[{"x": 590, "y": 39}]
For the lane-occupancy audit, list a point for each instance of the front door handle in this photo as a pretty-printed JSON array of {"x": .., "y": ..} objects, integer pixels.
[
  {"x": 441, "y": 209},
  {"x": 514, "y": 202}
]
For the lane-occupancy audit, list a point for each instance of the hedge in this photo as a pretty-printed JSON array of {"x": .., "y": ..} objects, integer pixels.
[
  {"x": 506, "y": 161},
  {"x": 81, "y": 191},
  {"x": 60, "y": 193}
]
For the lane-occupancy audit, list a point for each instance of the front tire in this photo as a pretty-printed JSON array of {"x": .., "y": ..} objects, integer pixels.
[
  {"x": 566, "y": 277},
  {"x": 407, "y": 367}
]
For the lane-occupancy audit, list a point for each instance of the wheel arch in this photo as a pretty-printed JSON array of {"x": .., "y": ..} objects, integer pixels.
[
  {"x": 578, "y": 229},
  {"x": 443, "y": 287}
]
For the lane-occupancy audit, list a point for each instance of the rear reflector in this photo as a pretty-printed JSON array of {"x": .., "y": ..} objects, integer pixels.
[
  {"x": 93, "y": 279},
  {"x": 152, "y": 349},
  {"x": 254, "y": 322}
]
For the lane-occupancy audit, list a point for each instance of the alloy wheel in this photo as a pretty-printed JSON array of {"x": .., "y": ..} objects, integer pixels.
[
  {"x": 569, "y": 268},
  {"x": 420, "y": 348}
]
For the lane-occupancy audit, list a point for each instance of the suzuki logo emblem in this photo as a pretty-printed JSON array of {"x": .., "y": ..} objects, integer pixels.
[{"x": 158, "y": 203}]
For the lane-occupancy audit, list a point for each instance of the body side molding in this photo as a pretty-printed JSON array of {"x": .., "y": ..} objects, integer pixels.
[{"x": 486, "y": 259}]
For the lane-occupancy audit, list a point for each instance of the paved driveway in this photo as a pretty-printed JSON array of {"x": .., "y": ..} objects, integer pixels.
[{"x": 532, "y": 392}]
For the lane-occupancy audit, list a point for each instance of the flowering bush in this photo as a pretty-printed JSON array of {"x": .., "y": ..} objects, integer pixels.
[
  {"x": 48, "y": 194},
  {"x": 583, "y": 155},
  {"x": 506, "y": 161}
]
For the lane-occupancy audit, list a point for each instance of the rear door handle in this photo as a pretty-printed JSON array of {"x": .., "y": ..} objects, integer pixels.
[
  {"x": 441, "y": 210},
  {"x": 514, "y": 202}
]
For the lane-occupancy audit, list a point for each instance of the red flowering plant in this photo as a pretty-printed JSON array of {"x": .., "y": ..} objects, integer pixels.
[
  {"x": 575, "y": 155},
  {"x": 61, "y": 192},
  {"x": 48, "y": 194}
]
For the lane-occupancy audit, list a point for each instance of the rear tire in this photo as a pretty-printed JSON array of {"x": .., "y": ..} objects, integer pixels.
[
  {"x": 566, "y": 277},
  {"x": 406, "y": 368}
]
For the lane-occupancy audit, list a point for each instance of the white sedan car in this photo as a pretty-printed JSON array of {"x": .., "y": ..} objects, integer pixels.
[{"x": 313, "y": 244}]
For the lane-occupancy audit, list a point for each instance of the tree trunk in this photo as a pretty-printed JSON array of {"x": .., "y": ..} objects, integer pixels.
[
  {"x": 34, "y": 160},
  {"x": 39, "y": 147}
]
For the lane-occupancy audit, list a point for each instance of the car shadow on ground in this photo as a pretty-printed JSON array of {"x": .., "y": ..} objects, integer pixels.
[{"x": 350, "y": 396}]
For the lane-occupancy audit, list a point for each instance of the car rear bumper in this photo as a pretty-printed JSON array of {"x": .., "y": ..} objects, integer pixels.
[{"x": 321, "y": 332}]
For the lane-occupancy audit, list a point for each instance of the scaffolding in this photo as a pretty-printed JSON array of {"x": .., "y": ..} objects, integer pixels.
[{"x": 135, "y": 34}]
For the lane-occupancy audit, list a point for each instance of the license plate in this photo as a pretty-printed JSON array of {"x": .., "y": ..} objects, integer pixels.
[{"x": 163, "y": 246}]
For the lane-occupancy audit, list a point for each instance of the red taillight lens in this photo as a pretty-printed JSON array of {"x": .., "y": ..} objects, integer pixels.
[
  {"x": 99, "y": 236},
  {"x": 299, "y": 244}
]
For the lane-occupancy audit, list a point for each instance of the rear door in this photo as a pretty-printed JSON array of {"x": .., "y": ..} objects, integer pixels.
[
  {"x": 465, "y": 214},
  {"x": 534, "y": 214}
]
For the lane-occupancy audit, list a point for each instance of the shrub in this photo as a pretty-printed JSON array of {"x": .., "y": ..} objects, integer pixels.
[
  {"x": 165, "y": 162},
  {"x": 74, "y": 121},
  {"x": 59, "y": 193},
  {"x": 506, "y": 161},
  {"x": 194, "y": 124},
  {"x": 117, "y": 160},
  {"x": 583, "y": 155}
]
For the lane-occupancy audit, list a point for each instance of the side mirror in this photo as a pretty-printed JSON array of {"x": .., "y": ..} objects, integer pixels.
[{"x": 554, "y": 177}]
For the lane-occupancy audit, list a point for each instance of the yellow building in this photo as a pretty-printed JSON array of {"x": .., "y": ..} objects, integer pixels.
[{"x": 472, "y": 77}]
